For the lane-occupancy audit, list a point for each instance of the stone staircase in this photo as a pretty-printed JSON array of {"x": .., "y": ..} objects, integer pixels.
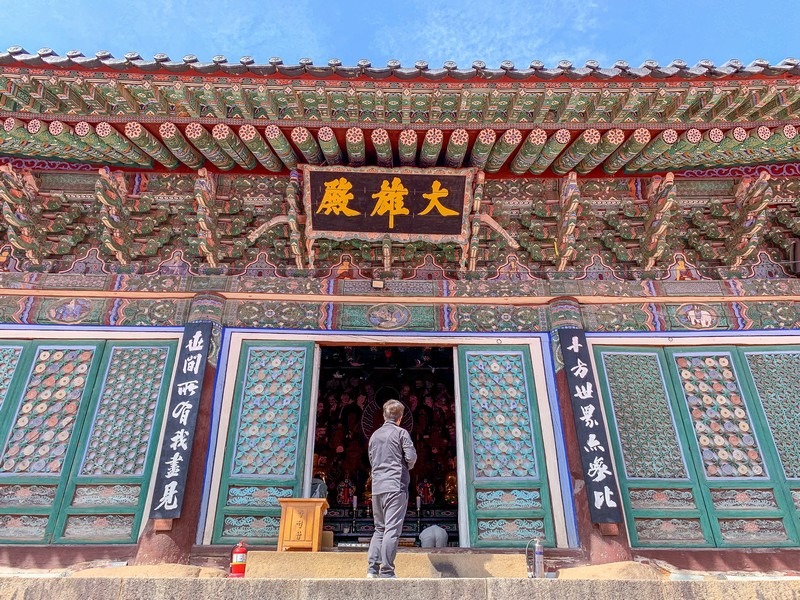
[
  {"x": 150, "y": 588},
  {"x": 409, "y": 565}
]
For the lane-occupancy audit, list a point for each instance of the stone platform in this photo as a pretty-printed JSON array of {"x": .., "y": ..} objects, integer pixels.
[
  {"x": 115, "y": 588},
  {"x": 409, "y": 565}
]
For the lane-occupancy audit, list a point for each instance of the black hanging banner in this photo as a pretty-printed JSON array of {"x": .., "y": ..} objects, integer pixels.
[
  {"x": 181, "y": 417},
  {"x": 598, "y": 471}
]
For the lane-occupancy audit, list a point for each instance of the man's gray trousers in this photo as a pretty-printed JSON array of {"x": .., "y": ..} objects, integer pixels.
[{"x": 389, "y": 510}]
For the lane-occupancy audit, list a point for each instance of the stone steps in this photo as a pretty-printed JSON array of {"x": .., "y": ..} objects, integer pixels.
[
  {"x": 409, "y": 565},
  {"x": 115, "y": 588}
]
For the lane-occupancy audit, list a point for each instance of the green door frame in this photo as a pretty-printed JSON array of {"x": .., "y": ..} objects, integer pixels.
[
  {"x": 512, "y": 502},
  {"x": 255, "y": 495}
]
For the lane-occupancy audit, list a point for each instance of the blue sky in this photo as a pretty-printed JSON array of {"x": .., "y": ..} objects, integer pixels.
[{"x": 411, "y": 30}]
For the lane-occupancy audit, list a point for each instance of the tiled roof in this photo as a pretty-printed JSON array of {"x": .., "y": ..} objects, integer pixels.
[{"x": 247, "y": 65}]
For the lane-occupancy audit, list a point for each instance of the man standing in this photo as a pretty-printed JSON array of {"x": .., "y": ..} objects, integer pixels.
[{"x": 391, "y": 455}]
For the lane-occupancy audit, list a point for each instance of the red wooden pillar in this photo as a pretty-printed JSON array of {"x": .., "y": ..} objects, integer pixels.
[
  {"x": 603, "y": 543},
  {"x": 171, "y": 541}
]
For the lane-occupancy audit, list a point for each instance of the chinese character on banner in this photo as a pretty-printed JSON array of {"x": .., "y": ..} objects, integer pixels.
[
  {"x": 179, "y": 440},
  {"x": 390, "y": 200},
  {"x": 598, "y": 469},
  {"x": 169, "y": 497},
  {"x": 604, "y": 497},
  {"x": 336, "y": 198},
  {"x": 196, "y": 343},
  {"x": 587, "y": 413},
  {"x": 188, "y": 388},
  {"x": 174, "y": 465},
  {"x": 191, "y": 364},
  {"x": 434, "y": 198},
  {"x": 580, "y": 370},
  {"x": 584, "y": 392},
  {"x": 593, "y": 444},
  {"x": 574, "y": 346},
  {"x": 182, "y": 411}
]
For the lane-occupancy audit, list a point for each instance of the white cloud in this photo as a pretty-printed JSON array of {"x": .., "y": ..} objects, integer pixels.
[{"x": 547, "y": 30}]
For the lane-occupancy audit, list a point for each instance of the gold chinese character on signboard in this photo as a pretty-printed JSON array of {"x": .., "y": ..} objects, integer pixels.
[
  {"x": 337, "y": 195},
  {"x": 434, "y": 198},
  {"x": 390, "y": 200}
]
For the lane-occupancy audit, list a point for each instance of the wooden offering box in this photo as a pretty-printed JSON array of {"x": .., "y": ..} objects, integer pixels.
[{"x": 301, "y": 524}]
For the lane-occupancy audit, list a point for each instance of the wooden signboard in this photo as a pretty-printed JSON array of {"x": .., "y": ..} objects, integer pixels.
[{"x": 405, "y": 204}]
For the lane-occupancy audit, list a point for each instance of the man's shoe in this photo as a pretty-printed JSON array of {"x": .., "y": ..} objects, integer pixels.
[
  {"x": 372, "y": 575},
  {"x": 387, "y": 576}
]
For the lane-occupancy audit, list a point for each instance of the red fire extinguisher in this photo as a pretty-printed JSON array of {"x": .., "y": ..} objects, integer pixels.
[{"x": 238, "y": 560}]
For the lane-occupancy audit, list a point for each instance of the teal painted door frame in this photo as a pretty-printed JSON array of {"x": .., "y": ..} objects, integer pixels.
[
  {"x": 507, "y": 492},
  {"x": 265, "y": 448}
]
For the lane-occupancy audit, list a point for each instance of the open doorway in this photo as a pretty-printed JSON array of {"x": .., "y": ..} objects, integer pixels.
[{"x": 354, "y": 383}]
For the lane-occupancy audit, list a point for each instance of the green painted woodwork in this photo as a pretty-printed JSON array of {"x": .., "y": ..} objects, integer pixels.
[
  {"x": 610, "y": 141},
  {"x": 329, "y": 146},
  {"x": 207, "y": 144},
  {"x": 504, "y": 147},
  {"x": 281, "y": 146},
  {"x": 266, "y": 442},
  {"x": 775, "y": 378},
  {"x": 481, "y": 148},
  {"x": 121, "y": 145},
  {"x": 180, "y": 146},
  {"x": 108, "y": 486},
  {"x": 80, "y": 426},
  {"x": 456, "y": 149},
  {"x": 627, "y": 151},
  {"x": 143, "y": 139},
  {"x": 657, "y": 146},
  {"x": 552, "y": 148},
  {"x": 697, "y": 436},
  {"x": 356, "y": 149},
  {"x": 383, "y": 148},
  {"x": 431, "y": 148},
  {"x": 576, "y": 152},
  {"x": 85, "y": 135},
  {"x": 9, "y": 357},
  {"x": 308, "y": 145},
  {"x": 34, "y": 92},
  {"x": 508, "y": 499},
  {"x": 531, "y": 148},
  {"x": 233, "y": 146},
  {"x": 407, "y": 148},
  {"x": 253, "y": 140}
]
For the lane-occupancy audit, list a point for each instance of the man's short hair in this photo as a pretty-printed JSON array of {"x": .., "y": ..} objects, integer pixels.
[{"x": 393, "y": 410}]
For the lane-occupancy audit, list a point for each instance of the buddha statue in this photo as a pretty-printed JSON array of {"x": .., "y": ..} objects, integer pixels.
[
  {"x": 368, "y": 491},
  {"x": 451, "y": 485}
]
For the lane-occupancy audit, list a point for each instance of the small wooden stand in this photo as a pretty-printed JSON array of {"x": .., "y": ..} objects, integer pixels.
[{"x": 301, "y": 524}]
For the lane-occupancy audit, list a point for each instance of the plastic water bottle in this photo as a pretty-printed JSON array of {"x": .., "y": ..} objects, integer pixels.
[{"x": 538, "y": 559}]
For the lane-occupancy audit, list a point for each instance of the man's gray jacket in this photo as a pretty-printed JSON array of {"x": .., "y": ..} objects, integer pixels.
[{"x": 391, "y": 455}]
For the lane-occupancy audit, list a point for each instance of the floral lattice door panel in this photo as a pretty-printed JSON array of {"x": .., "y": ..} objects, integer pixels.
[
  {"x": 107, "y": 491},
  {"x": 507, "y": 493},
  {"x": 45, "y": 428},
  {"x": 266, "y": 441},
  {"x": 710, "y": 410},
  {"x": 664, "y": 502}
]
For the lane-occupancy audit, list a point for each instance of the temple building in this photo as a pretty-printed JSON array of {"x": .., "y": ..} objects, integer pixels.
[{"x": 581, "y": 281}]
